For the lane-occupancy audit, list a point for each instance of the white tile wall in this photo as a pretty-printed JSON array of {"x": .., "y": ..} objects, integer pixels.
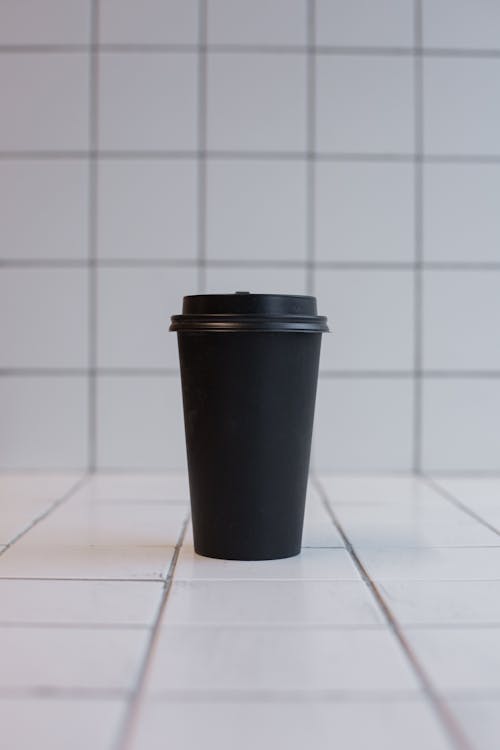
[
  {"x": 357, "y": 23},
  {"x": 372, "y": 319},
  {"x": 44, "y": 101},
  {"x": 363, "y": 424},
  {"x": 44, "y": 209},
  {"x": 44, "y": 422},
  {"x": 147, "y": 101},
  {"x": 260, "y": 22},
  {"x": 365, "y": 104},
  {"x": 460, "y": 424},
  {"x": 49, "y": 308},
  {"x": 462, "y": 114},
  {"x": 208, "y": 145},
  {"x": 460, "y": 24},
  {"x": 57, "y": 22},
  {"x": 259, "y": 280},
  {"x": 461, "y": 213},
  {"x": 147, "y": 209},
  {"x": 256, "y": 102},
  {"x": 148, "y": 21},
  {"x": 464, "y": 302},
  {"x": 134, "y": 305},
  {"x": 243, "y": 218},
  {"x": 364, "y": 212},
  {"x": 140, "y": 423}
]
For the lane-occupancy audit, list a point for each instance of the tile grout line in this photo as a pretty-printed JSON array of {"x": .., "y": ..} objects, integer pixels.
[
  {"x": 201, "y": 188},
  {"x": 437, "y": 487},
  {"x": 125, "y": 732},
  {"x": 418, "y": 240},
  {"x": 383, "y": 266},
  {"x": 209, "y": 154},
  {"x": 232, "y": 48},
  {"x": 311, "y": 148},
  {"x": 93, "y": 278},
  {"x": 445, "y": 717},
  {"x": 56, "y": 504},
  {"x": 310, "y": 238}
]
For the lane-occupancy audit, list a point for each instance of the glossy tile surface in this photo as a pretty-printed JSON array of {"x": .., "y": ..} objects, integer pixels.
[
  {"x": 87, "y": 723},
  {"x": 102, "y": 598},
  {"x": 294, "y": 725}
]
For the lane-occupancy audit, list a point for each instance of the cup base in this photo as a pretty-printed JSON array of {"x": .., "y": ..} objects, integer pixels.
[{"x": 247, "y": 557}]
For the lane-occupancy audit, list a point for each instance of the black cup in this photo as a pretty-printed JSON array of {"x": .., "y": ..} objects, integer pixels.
[{"x": 249, "y": 368}]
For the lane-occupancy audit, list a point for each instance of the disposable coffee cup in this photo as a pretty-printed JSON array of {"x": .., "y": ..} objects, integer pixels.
[{"x": 249, "y": 370}]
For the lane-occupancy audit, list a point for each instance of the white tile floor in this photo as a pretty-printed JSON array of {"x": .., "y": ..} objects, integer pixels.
[{"x": 383, "y": 634}]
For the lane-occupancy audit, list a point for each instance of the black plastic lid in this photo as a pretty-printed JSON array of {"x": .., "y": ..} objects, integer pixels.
[{"x": 243, "y": 311}]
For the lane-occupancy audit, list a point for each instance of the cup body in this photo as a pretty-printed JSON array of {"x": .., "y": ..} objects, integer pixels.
[{"x": 248, "y": 410}]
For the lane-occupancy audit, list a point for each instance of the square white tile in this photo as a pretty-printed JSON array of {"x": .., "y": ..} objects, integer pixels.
[
  {"x": 224, "y": 658},
  {"x": 148, "y": 22},
  {"x": 460, "y": 425},
  {"x": 388, "y": 522},
  {"x": 260, "y": 280},
  {"x": 137, "y": 335},
  {"x": 270, "y": 603},
  {"x": 459, "y": 310},
  {"x": 53, "y": 22},
  {"x": 388, "y": 491},
  {"x": 382, "y": 501},
  {"x": 132, "y": 563},
  {"x": 44, "y": 422},
  {"x": 45, "y": 209},
  {"x": 106, "y": 525},
  {"x": 70, "y": 658},
  {"x": 129, "y": 487},
  {"x": 459, "y": 659},
  {"x": 45, "y": 101},
  {"x": 274, "y": 22},
  {"x": 364, "y": 212},
  {"x": 19, "y": 489},
  {"x": 480, "y": 494},
  {"x": 29, "y": 722},
  {"x": 147, "y": 102},
  {"x": 297, "y": 724},
  {"x": 461, "y": 213},
  {"x": 371, "y": 317},
  {"x": 480, "y": 719},
  {"x": 426, "y": 564},
  {"x": 256, "y": 102},
  {"x": 462, "y": 24},
  {"x": 147, "y": 209},
  {"x": 386, "y": 23},
  {"x": 352, "y": 428},
  {"x": 140, "y": 423},
  {"x": 16, "y": 520},
  {"x": 256, "y": 210},
  {"x": 44, "y": 317},
  {"x": 419, "y": 533},
  {"x": 311, "y": 564},
  {"x": 461, "y": 108},
  {"x": 365, "y": 104},
  {"x": 321, "y": 534},
  {"x": 79, "y": 602},
  {"x": 443, "y": 602}
]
